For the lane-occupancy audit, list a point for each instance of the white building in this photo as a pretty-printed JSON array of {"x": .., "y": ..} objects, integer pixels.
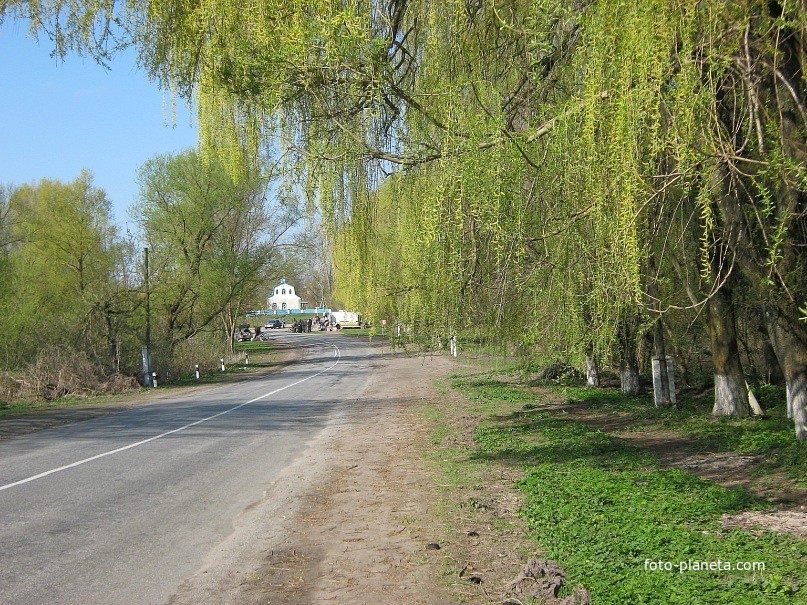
[{"x": 283, "y": 297}]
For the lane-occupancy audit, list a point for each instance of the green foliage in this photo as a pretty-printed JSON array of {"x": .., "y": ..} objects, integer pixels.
[
  {"x": 68, "y": 281},
  {"x": 540, "y": 171},
  {"x": 61, "y": 273},
  {"x": 483, "y": 389},
  {"x": 207, "y": 250}
]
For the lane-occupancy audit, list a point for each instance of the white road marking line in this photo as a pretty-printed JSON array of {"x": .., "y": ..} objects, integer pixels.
[{"x": 337, "y": 354}]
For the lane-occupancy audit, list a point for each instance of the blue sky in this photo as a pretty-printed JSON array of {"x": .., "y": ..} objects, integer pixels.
[{"x": 57, "y": 117}]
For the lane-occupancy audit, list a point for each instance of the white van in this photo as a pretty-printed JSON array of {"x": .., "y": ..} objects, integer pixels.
[{"x": 345, "y": 319}]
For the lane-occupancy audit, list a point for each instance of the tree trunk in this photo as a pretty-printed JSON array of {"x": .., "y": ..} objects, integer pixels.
[
  {"x": 661, "y": 380},
  {"x": 770, "y": 364},
  {"x": 789, "y": 403},
  {"x": 628, "y": 362},
  {"x": 629, "y": 380},
  {"x": 229, "y": 323},
  {"x": 592, "y": 371},
  {"x": 791, "y": 350},
  {"x": 731, "y": 396}
]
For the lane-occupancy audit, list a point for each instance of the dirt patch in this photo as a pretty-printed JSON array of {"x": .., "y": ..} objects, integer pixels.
[
  {"x": 542, "y": 580},
  {"x": 793, "y": 521}
]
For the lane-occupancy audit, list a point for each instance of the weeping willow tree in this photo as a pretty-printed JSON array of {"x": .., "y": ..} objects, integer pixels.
[
  {"x": 531, "y": 215},
  {"x": 539, "y": 148},
  {"x": 737, "y": 105}
]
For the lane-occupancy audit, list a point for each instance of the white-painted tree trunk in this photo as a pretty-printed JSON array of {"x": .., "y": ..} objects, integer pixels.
[
  {"x": 628, "y": 362},
  {"x": 592, "y": 372},
  {"x": 789, "y": 403},
  {"x": 663, "y": 390},
  {"x": 629, "y": 380},
  {"x": 664, "y": 383},
  {"x": 752, "y": 400},
  {"x": 797, "y": 395},
  {"x": 731, "y": 396},
  {"x": 731, "y": 392},
  {"x": 797, "y": 402},
  {"x": 788, "y": 342}
]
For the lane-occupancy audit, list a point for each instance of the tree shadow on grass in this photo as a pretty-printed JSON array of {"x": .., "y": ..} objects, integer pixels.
[{"x": 507, "y": 439}]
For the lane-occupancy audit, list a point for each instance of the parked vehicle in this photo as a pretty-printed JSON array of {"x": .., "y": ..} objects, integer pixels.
[
  {"x": 345, "y": 319},
  {"x": 245, "y": 333},
  {"x": 274, "y": 324}
]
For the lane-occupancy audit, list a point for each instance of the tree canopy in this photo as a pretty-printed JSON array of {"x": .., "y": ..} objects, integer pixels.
[
  {"x": 62, "y": 261},
  {"x": 576, "y": 173}
]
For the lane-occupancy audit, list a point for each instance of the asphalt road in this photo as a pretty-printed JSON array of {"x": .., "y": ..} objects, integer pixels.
[{"x": 122, "y": 508}]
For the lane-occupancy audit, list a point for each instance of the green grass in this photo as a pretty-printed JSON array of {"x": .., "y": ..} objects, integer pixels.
[
  {"x": 603, "y": 508},
  {"x": 260, "y": 357}
]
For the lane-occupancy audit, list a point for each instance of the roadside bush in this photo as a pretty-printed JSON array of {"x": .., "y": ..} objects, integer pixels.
[{"x": 60, "y": 372}]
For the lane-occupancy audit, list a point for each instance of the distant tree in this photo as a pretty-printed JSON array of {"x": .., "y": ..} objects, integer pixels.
[
  {"x": 210, "y": 244},
  {"x": 63, "y": 258}
]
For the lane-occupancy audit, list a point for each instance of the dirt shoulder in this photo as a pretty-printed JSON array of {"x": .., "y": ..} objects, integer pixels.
[{"x": 363, "y": 535}]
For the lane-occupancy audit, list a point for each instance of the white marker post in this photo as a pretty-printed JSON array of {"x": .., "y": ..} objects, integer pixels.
[
  {"x": 197, "y": 371},
  {"x": 222, "y": 364},
  {"x": 154, "y": 379},
  {"x": 246, "y": 359}
]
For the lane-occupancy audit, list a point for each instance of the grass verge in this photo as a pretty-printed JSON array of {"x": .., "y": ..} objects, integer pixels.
[{"x": 612, "y": 516}]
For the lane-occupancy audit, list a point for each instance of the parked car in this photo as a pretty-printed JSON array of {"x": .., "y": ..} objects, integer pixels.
[{"x": 274, "y": 324}]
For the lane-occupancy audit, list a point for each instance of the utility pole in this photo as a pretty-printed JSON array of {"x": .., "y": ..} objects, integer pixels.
[
  {"x": 146, "y": 352},
  {"x": 148, "y": 300}
]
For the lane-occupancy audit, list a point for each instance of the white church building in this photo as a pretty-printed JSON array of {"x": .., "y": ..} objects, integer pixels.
[{"x": 283, "y": 297}]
